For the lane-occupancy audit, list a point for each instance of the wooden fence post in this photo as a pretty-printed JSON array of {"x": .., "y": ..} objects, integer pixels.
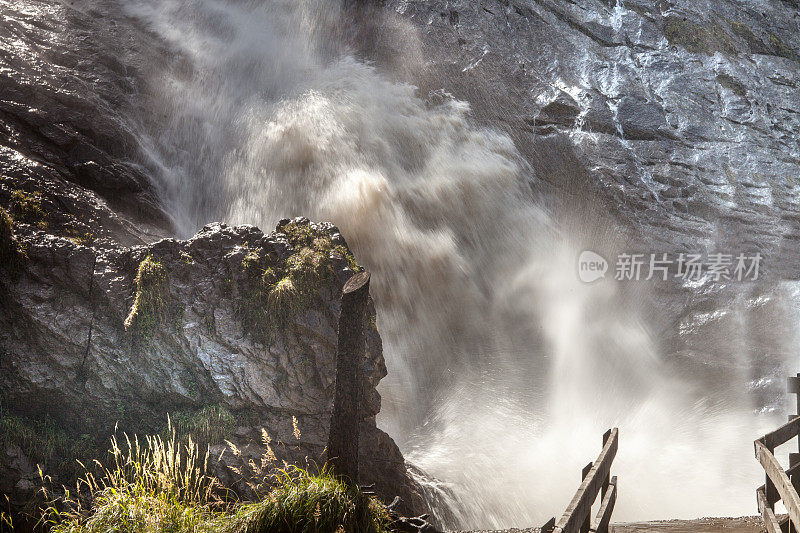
[
  {"x": 346, "y": 417},
  {"x": 587, "y": 524},
  {"x": 769, "y": 487},
  {"x": 607, "y": 480}
]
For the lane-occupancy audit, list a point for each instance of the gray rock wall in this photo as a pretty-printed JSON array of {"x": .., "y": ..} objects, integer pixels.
[{"x": 66, "y": 354}]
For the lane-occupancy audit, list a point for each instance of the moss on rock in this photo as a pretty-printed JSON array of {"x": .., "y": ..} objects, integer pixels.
[
  {"x": 27, "y": 207},
  {"x": 46, "y": 443},
  {"x": 781, "y": 49},
  {"x": 277, "y": 290},
  {"x": 151, "y": 308},
  {"x": 696, "y": 38},
  {"x": 11, "y": 257},
  {"x": 742, "y": 31},
  {"x": 729, "y": 82},
  {"x": 302, "y": 236}
]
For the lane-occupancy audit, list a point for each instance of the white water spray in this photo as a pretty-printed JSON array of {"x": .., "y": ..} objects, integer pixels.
[{"x": 504, "y": 369}]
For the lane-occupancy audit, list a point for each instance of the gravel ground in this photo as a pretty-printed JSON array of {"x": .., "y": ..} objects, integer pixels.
[{"x": 745, "y": 524}]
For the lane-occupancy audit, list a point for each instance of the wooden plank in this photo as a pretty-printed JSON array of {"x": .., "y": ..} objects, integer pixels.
[
  {"x": 781, "y": 481},
  {"x": 581, "y": 504},
  {"x": 793, "y": 470},
  {"x": 797, "y": 398},
  {"x": 771, "y": 492},
  {"x": 606, "y": 436},
  {"x": 784, "y": 522},
  {"x": 587, "y": 524},
  {"x": 794, "y": 463},
  {"x": 784, "y": 433},
  {"x": 793, "y": 457},
  {"x": 770, "y": 521},
  {"x": 793, "y": 385},
  {"x": 603, "y": 517}
]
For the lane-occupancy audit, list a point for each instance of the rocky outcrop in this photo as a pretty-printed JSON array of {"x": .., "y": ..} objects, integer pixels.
[
  {"x": 684, "y": 110},
  {"x": 233, "y": 329}
]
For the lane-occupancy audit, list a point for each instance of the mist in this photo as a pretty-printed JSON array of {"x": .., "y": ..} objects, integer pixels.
[{"x": 504, "y": 368}]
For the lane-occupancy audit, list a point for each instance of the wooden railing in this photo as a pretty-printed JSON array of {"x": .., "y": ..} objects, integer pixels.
[
  {"x": 596, "y": 480},
  {"x": 781, "y": 485}
]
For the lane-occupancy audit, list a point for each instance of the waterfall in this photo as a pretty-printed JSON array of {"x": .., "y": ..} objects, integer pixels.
[{"x": 504, "y": 369}]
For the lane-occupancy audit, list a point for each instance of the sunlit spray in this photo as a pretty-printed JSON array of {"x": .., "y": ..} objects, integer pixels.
[{"x": 506, "y": 364}]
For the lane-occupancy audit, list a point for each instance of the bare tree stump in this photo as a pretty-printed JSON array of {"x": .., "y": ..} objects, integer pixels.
[{"x": 350, "y": 352}]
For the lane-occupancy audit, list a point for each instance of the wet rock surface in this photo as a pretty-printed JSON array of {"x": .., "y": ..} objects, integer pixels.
[
  {"x": 67, "y": 82},
  {"x": 671, "y": 126},
  {"x": 682, "y": 116},
  {"x": 77, "y": 181}
]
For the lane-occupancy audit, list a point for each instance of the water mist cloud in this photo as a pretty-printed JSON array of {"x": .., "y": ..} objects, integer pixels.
[{"x": 504, "y": 368}]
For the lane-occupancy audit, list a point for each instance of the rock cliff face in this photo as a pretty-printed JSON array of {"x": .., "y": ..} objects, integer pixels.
[
  {"x": 659, "y": 125},
  {"x": 229, "y": 332},
  {"x": 680, "y": 116}
]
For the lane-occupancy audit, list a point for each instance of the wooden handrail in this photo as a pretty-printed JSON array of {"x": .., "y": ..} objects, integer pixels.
[
  {"x": 603, "y": 517},
  {"x": 780, "y": 485},
  {"x": 770, "y": 521},
  {"x": 781, "y": 435},
  {"x": 776, "y": 474},
  {"x": 580, "y": 508}
]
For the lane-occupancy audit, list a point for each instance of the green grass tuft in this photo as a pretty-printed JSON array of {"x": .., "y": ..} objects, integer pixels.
[
  {"x": 307, "y": 503},
  {"x": 46, "y": 443},
  {"x": 275, "y": 292},
  {"x": 283, "y": 301},
  {"x": 212, "y": 424},
  {"x": 27, "y": 207},
  {"x": 307, "y": 268},
  {"x": 158, "y": 486},
  {"x": 162, "y": 485},
  {"x": 11, "y": 258},
  {"x": 151, "y": 308},
  {"x": 314, "y": 260}
]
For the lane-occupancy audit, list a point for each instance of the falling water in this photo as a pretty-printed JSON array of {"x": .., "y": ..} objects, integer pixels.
[{"x": 504, "y": 369}]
